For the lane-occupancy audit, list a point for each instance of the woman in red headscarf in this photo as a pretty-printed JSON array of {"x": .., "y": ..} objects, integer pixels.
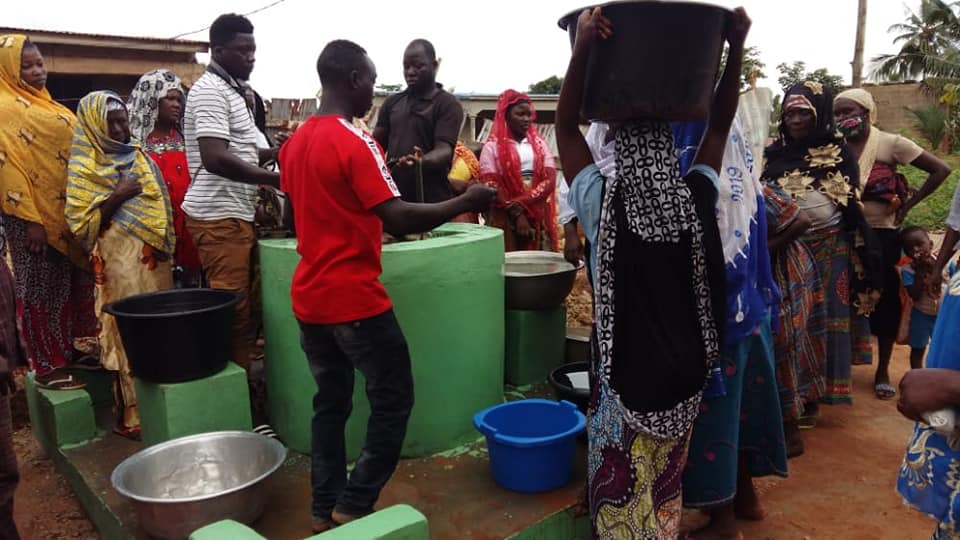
[{"x": 518, "y": 162}]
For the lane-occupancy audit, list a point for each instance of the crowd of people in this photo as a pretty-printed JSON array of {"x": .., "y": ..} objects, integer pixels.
[{"x": 732, "y": 293}]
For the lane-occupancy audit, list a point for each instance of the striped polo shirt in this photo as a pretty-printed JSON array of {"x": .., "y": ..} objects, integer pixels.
[{"x": 216, "y": 110}]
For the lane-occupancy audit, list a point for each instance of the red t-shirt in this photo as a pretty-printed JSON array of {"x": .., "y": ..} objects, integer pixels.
[{"x": 334, "y": 174}]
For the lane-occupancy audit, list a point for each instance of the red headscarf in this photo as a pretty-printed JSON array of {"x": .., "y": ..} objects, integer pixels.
[{"x": 538, "y": 199}]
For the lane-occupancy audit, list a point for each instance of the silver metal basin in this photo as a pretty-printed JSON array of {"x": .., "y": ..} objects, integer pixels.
[
  {"x": 181, "y": 485},
  {"x": 537, "y": 280}
]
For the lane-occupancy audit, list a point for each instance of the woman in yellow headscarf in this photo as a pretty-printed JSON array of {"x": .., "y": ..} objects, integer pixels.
[
  {"x": 119, "y": 210},
  {"x": 464, "y": 170},
  {"x": 54, "y": 285}
]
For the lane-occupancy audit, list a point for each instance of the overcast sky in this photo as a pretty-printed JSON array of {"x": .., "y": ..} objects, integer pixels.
[{"x": 485, "y": 46}]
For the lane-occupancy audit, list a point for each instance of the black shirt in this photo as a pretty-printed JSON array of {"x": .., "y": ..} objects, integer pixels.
[{"x": 421, "y": 121}]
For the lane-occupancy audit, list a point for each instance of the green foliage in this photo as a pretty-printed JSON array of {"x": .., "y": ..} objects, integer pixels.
[
  {"x": 932, "y": 212},
  {"x": 389, "y": 87},
  {"x": 550, "y": 85},
  {"x": 791, "y": 74},
  {"x": 928, "y": 44},
  {"x": 751, "y": 69},
  {"x": 931, "y": 123}
]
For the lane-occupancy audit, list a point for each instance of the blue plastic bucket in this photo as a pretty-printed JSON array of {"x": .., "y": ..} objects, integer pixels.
[{"x": 531, "y": 442}]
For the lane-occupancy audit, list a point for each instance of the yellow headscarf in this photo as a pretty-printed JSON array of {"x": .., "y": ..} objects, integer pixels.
[
  {"x": 35, "y": 137},
  {"x": 95, "y": 164}
]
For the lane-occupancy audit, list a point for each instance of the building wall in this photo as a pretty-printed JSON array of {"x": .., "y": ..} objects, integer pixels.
[{"x": 893, "y": 102}]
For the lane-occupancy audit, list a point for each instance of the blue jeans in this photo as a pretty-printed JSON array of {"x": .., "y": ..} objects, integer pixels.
[{"x": 376, "y": 347}]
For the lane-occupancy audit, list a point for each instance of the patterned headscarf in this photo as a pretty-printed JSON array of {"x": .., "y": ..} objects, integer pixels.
[
  {"x": 504, "y": 162},
  {"x": 35, "y": 137},
  {"x": 95, "y": 164},
  {"x": 820, "y": 162},
  {"x": 145, "y": 99}
]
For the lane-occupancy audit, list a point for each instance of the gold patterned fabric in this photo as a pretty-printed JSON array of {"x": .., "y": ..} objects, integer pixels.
[{"x": 35, "y": 137}]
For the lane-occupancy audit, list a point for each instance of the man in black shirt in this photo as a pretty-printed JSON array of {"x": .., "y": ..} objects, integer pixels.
[{"x": 419, "y": 128}]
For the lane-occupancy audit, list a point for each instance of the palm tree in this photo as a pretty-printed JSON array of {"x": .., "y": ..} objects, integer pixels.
[{"x": 929, "y": 44}]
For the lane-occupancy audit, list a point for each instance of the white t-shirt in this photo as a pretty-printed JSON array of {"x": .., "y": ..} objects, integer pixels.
[
  {"x": 214, "y": 109},
  {"x": 525, "y": 151}
]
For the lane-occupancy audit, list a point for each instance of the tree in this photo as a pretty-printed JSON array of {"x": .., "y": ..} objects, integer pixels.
[
  {"x": 550, "y": 85},
  {"x": 791, "y": 74},
  {"x": 389, "y": 87},
  {"x": 751, "y": 70},
  {"x": 928, "y": 47},
  {"x": 857, "y": 77}
]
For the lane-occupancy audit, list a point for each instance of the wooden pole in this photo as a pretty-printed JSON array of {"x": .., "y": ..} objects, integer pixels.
[{"x": 857, "y": 78}]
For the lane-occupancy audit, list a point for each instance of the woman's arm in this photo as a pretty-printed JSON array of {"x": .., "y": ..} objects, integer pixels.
[
  {"x": 779, "y": 241},
  {"x": 574, "y": 152}
]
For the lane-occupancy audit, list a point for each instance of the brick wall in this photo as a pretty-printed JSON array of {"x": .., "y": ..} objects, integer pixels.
[{"x": 893, "y": 100}]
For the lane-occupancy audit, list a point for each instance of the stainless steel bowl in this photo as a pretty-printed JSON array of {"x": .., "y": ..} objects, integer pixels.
[
  {"x": 181, "y": 485},
  {"x": 537, "y": 280}
]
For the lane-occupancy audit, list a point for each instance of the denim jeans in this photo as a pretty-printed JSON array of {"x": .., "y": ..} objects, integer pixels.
[{"x": 376, "y": 347}]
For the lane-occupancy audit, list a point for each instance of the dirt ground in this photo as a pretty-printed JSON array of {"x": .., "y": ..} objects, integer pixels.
[{"x": 843, "y": 487}]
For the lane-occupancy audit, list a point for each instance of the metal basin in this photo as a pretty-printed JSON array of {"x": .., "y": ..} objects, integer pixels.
[
  {"x": 537, "y": 280},
  {"x": 181, "y": 485}
]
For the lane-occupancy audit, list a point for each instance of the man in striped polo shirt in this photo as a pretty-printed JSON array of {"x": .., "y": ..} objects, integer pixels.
[{"x": 224, "y": 161}]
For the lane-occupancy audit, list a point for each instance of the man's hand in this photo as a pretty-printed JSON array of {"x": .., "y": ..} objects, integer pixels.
[
  {"x": 591, "y": 26},
  {"x": 927, "y": 390},
  {"x": 281, "y": 137},
  {"x": 410, "y": 160},
  {"x": 523, "y": 228},
  {"x": 572, "y": 246},
  {"x": 738, "y": 27},
  {"x": 479, "y": 197},
  {"x": 36, "y": 238}
]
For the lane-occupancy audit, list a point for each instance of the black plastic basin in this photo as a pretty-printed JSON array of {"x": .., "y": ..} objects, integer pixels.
[
  {"x": 660, "y": 63},
  {"x": 564, "y": 389},
  {"x": 178, "y": 335}
]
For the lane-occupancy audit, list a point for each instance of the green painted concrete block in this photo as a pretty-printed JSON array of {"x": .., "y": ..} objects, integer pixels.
[
  {"x": 220, "y": 402},
  {"x": 535, "y": 342},
  {"x": 60, "y": 418},
  {"x": 225, "y": 530},
  {"x": 400, "y": 522},
  {"x": 447, "y": 292}
]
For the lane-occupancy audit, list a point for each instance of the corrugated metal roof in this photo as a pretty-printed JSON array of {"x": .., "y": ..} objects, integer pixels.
[{"x": 44, "y": 35}]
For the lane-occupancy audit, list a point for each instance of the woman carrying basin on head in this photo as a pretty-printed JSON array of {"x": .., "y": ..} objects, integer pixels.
[
  {"x": 119, "y": 210},
  {"x": 518, "y": 162}
]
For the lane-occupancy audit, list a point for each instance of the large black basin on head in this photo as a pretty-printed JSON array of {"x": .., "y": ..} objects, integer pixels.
[
  {"x": 661, "y": 61},
  {"x": 178, "y": 335}
]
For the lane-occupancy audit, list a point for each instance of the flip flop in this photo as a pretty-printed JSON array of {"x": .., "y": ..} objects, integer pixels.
[
  {"x": 128, "y": 433},
  {"x": 884, "y": 391},
  {"x": 87, "y": 362},
  {"x": 60, "y": 382},
  {"x": 266, "y": 431}
]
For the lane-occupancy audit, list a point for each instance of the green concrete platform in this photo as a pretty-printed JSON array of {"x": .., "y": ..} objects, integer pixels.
[
  {"x": 399, "y": 522},
  {"x": 220, "y": 402},
  {"x": 454, "y": 490},
  {"x": 535, "y": 344},
  {"x": 60, "y": 418}
]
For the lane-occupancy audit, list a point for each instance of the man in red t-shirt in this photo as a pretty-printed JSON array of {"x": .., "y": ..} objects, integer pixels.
[{"x": 343, "y": 197}]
